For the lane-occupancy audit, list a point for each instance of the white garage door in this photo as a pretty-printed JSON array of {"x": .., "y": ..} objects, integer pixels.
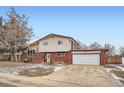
[{"x": 92, "y": 59}]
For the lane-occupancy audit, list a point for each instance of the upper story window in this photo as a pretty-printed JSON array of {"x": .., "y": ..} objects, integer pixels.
[
  {"x": 75, "y": 47},
  {"x": 60, "y": 42},
  {"x": 45, "y": 43}
]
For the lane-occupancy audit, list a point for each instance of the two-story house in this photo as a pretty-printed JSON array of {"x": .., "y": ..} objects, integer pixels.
[
  {"x": 61, "y": 49},
  {"x": 53, "y": 48}
]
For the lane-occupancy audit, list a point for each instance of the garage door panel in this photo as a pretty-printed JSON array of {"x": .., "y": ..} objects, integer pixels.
[{"x": 92, "y": 59}]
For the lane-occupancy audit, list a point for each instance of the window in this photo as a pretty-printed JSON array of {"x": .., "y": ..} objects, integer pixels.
[
  {"x": 60, "y": 54},
  {"x": 28, "y": 52},
  {"x": 60, "y": 42},
  {"x": 45, "y": 43},
  {"x": 31, "y": 52},
  {"x": 75, "y": 46}
]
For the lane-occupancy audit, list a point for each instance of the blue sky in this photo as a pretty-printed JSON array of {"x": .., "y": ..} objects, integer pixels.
[{"x": 86, "y": 24}]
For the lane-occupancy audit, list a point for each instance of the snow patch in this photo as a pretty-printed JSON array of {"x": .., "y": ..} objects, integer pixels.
[
  {"x": 15, "y": 73},
  {"x": 108, "y": 69},
  {"x": 113, "y": 75},
  {"x": 119, "y": 67},
  {"x": 116, "y": 77},
  {"x": 17, "y": 70},
  {"x": 57, "y": 68}
]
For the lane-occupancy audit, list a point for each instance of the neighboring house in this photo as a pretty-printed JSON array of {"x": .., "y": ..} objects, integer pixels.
[
  {"x": 60, "y": 49},
  {"x": 122, "y": 60}
]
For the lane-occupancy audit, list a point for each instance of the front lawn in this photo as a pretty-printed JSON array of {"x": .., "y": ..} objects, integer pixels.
[
  {"x": 117, "y": 71},
  {"x": 28, "y": 69}
]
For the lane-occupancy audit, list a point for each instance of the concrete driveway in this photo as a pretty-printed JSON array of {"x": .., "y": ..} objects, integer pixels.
[
  {"x": 69, "y": 76},
  {"x": 81, "y": 75}
]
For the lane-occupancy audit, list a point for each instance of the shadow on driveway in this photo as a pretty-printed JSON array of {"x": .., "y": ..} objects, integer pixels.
[{"x": 6, "y": 85}]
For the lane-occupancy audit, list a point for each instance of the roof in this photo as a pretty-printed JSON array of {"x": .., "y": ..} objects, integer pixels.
[
  {"x": 52, "y": 35},
  {"x": 82, "y": 50},
  {"x": 92, "y": 50}
]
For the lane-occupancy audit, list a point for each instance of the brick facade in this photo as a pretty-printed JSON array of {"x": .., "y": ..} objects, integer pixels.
[
  {"x": 38, "y": 58},
  {"x": 103, "y": 58},
  {"x": 67, "y": 59},
  {"x": 41, "y": 58}
]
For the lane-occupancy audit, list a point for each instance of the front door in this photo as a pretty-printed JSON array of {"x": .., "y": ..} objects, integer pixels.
[{"x": 48, "y": 57}]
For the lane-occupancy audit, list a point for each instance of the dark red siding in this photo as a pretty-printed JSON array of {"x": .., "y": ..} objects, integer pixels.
[
  {"x": 38, "y": 58},
  {"x": 67, "y": 59},
  {"x": 102, "y": 57},
  {"x": 41, "y": 58}
]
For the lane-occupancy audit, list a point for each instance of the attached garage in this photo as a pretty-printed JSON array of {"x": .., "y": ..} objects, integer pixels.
[
  {"x": 86, "y": 59},
  {"x": 89, "y": 57}
]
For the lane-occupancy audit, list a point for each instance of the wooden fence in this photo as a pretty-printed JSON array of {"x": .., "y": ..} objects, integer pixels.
[
  {"x": 7, "y": 57},
  {"x": 114, "y": 60},
  {"x": 122, "y": 60}
]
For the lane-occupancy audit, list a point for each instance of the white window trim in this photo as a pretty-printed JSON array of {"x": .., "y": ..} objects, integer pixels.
[
  {"x": 60, "y": 54},
  {"x": 45, "y": 43},
  {"x": 60, "y": 41},
  {"x": 31, "y": 53}
]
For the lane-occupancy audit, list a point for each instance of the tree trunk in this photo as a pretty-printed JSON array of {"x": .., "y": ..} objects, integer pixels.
[
  {"x": 12, "y": 56},
  {"x": 16, "y": 57},
  {"x": 19, "y": 56},
  {"x": 22, "y": 56}
]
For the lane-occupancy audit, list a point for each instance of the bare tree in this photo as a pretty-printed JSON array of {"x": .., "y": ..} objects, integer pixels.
[
  {"x": 15, "y": 32},
  {"x": 84, "y": 46},
  {"x": 95, "y": 45},
  {"x": 111, "y": 49},
  {"x": 122, "y": 51},
  {"x": 3, "y": 33}
]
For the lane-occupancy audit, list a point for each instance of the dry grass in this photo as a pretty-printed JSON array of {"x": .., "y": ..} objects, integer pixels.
[
  {"x": 112, "y": 67},
  {"x": 36, "y": 72},
  {"x": 118, "y": 73},
  {"x": 25, "y": 69},
  {"x": 11, "y": 64},
  {"x": 69, "y": 76}
]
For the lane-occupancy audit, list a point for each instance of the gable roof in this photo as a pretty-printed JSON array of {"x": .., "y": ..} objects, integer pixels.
[{"x": 53, "y": 35}]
